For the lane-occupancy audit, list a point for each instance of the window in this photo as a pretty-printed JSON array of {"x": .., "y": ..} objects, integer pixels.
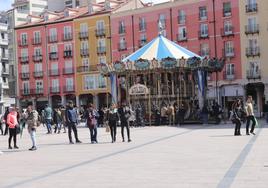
[
  {"x": 122, "y": 43},
  {"x": 102, "y": 59},
  {"x": 204, "y": 50},
  {"x": 253, "y": 43},
  {"x": 252, "y": 25},
  {"x": 230, "y": 69},
  {"x": 254, "y": 68},
  {"x": 55, "y": 86},
  {"x": 39, "y": 86},
  {"x": 182, "y": 34},
  {"x": 67, "y": 33},
  {"x": 24, "y": 68},
  {"x": 24, "y": 53},
  {"x": 143, "y": 40},
  {"x": 181, "y": 17},
  {"x": 83, "y": 28},
  {"x": 101, "y": 46},
  {"x": 101, "y": 82},
  {"x": 100, "y": 24},
  {"x": 53, "y": 52},
  {"x": 204, "y": 30},
  {"x": 251, "y": 6},
  {"x": 53, "y": 35},
  {"x": 54, "y": 69},
  {"x": 162, "y": 21},
  {"x": 84, "y": 45},
  {"x": 229, "y": 49},
  {"x": 202, "y": 13},
  {"x": 25, "y": 87},
  {"x": 122, "y": 28},
  {"x": 142, "y": 24},
  {"x": 227, "y": 9},
  {"x": 96, "y": 81},
  {"x": 37, "y": 52},
  {"x": 85, "y": 62},
  {"x": 24, "y": 39},
  {"x": 68, "y": 50},
  {"x": 89, "y": 82},
  {"x": 37, "y": 37},
  {"x": 38, "y": 67},
  {"x": 68, "y": 67},
  {"x": 69, "y": 84},
  {"x": 228, "y": 27}
]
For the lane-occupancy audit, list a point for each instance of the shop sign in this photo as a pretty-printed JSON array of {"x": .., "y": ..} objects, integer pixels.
[{"x": 138, "y": 89}]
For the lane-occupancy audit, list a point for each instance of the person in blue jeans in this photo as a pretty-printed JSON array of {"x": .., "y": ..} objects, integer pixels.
[
  {"x": 92, "y": 118},
  {"x": 48, "y": 114}
]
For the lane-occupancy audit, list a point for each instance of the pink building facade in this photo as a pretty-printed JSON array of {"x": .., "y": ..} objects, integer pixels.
[{"x": 191, "y": 25}]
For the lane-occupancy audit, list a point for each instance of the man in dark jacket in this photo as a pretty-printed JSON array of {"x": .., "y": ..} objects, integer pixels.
[
  {"x": 265, "y": 110},
  {"x": 124, "y": 113},
  {"x": 71, "y": 121},
  {"x": 5, "y": 119}
]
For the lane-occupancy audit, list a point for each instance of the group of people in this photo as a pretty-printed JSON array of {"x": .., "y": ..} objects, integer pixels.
[{"x": 243, "y": 113}]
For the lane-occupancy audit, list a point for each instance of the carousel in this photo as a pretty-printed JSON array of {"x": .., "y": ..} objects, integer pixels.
[{"x": 161, "y": 73}]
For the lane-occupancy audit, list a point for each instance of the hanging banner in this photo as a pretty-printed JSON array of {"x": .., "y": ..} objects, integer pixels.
[{"x": 138, "y": 89}]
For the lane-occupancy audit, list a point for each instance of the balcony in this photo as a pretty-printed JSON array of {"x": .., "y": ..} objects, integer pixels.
[
  {"x": 53, "y": 56},
  {"x": 83, "y": 35},
  {"x": 24, "y": 59},
  {"x": 25, "y": 75},
  {"x": 101, "y": 50},
  {"x": 84, "y": 52},
  {"x": 228, "y": 52},
  {"x": 69, "y": 70},
  {"x": 82, "y": 69},
  {"x": 52, "y": 38},
  {"x": 122, "y": 46},
  {"x": 37, "y": 91},
  {"x": 37, "y": 58},
  {"x": 23, "y": 43},
  {"x": 54, "y": 72},
  {"x": 182, "y": 38},
  {"x": 253, "y": 7},
  {"x": 100, "y": 32},
  {"x": 227, "y": 32},
  {"x": 252, "y": 29},
  {"x": 54, "y": 89},
  {"x": 181, "y": 19},
  {"x": 230, "y": 75},
  {"x": 68, "y": 89},
  {"x": 253, "y": 74},
  {"x": 122, "y": 30},
  {"x": 38, "y": 74},
  {"x": 67, "y": 36},
  {"x": 203, "y": 35},
  {"x": 36, "y": 41},
  {"x": 253, "y": 51},
  {"x": 227, "y": 13},
  {"x": 68, "y": 54},
  {"x": 142, "y": 42},
  {"x": 25, "y": 92}
]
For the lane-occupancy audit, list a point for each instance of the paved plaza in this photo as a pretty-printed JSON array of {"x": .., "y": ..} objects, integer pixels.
[{"x": 189, "y": 156}]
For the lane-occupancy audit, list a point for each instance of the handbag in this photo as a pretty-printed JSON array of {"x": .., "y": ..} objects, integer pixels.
[{"x": 18, "y": 129}]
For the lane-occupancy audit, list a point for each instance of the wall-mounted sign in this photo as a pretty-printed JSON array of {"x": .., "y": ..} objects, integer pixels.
[
  {"x": 119, "y": 66},
  {"x": 142, "y": 64},
  {"x": 138, "y": 89},
  {"x": 103, "y": 68}
]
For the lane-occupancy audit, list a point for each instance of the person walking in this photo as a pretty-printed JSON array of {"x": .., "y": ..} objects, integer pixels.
[
  {"x": 32, "y": 122},
  {"x": 265, "y": 110},
  {"x": 124, "y": 114},
  {"x": 5, "y": 120},
  {"x": 113, "y": 119},
  {"x": 250, "y": 115},
  {"x": 1, "y": 123},
  {"x": 57, "y": 118},
  {"x": 237, "y": 115},
  {"x": 92, "y": 118},
  {"x": 164, "y": 114},
  {"x": 171, "y": 114},
  {"x": 72, "y": 121},
  {"x": 12, "y": 123},
  {"x": 48, "y": 114}
]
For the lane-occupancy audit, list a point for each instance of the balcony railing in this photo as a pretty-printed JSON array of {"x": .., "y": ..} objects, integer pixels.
[
  {"x": 142, "y": 42},
  {"x": 52, "y": 38},
  {"x": 69, "y": 70},
  {"x": 38, "y": 74},
  {"x": 228, "y": 52},
  {"x": 100, "y": 32},
  {"x": 53, "y": 56},
  {"x": 122, "y": 30},
  {"x": 54, "y": 89},
  {"x": 83, "y": 35},
  {"x": 252, "y": 29},
  {"x": 25, "y": 92},
  {"x": 23, "y": 43},
  {"x": 227, "y": 12},
  {"x": 68, "y": 88},
  {"x": 202, "y": 35},
  {"x": 24, "y": 59},
  {"x": 229, "y": 75},
  {"x": 84, "y": 52},
  {"x": 25, "y": 75},
  {"x": 68, "y": 54},
  {"x": 253, "y": 7},
  {"x": 253, "y": 51},
  {"x": 54, "y": 72},
  {"x": 181, "y": 38},
  {"x": 67, "y": 36},
  {"x": 37, "y": 58},
  {"x": 122, "y": 46},
  {"x": 36, "y": 41},
  {"x": 101, "y": 50},
  {"x": 253, "y": 74},
  {"x": 81, "y": 69},
  {"x": 37, "y": 91},
  {"x": 227, "y": 32}
]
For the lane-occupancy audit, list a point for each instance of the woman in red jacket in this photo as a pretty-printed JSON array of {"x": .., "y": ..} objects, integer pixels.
[{"x": 12, "y": 122}]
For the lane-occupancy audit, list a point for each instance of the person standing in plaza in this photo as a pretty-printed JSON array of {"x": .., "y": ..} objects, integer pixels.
[
  {"x": 57, "y": 118},
  {"x": 113, "y": 119},
  {"x": 32, "y": 122},
  {"x": 171, "y": 114},
  {"x": 48, "y": 114},
  {"x": 62, "y": 113},
  {"x": 265, "y": 111},
  {"x": 124, "y": 113},
  {"x": 237, "y": 115},
  {"x": 92, "y": 118},
  {"x": 164, "y": 114},
  {"x": 12, "y": 123},
  {"x": 72, "y": 121},
  {"x": 250, "y": 115}
]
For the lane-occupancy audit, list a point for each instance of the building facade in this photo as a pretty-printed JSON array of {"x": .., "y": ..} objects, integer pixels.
[
  {"x": 253, "y": 19},
  {"x": 208, "y": 28}
]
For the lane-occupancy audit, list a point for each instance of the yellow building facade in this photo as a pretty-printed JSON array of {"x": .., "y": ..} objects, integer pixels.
[
  {"x": 254, "y": 43},
  {"x": 92, "y": 46}
]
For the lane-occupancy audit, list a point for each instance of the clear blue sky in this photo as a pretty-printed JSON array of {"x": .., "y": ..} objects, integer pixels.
[{"x": 6, "y": 4}]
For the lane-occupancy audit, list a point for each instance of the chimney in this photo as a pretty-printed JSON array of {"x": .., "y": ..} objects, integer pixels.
[{"x": 90, "y": 6}]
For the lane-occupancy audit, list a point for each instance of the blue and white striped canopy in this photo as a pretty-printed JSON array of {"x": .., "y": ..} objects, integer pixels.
[{"x": 160, "y": 48}]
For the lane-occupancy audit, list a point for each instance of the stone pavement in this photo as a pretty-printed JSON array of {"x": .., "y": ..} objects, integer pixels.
[{"x": 188, "y": 156}]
